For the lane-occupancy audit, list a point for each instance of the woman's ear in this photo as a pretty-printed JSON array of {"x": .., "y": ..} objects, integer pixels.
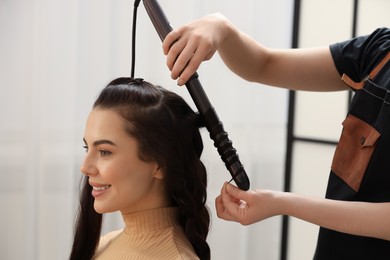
[{"x": 158, "y": 173}]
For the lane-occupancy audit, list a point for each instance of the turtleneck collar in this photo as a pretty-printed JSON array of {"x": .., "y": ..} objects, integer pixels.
[{"x": 149, "y": 220}]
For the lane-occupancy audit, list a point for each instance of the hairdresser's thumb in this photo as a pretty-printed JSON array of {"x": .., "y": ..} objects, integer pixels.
[{"x": 235, "y": 192}]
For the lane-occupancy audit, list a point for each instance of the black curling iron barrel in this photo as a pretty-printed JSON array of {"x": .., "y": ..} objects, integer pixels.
[{"x": 213, "y": 124}]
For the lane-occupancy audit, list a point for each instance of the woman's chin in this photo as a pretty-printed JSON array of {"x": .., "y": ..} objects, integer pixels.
[{"x": 101, "y": 209}]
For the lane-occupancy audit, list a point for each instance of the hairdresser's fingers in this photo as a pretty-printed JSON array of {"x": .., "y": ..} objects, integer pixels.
[
  {"x": 182, "y": 62},
  {"x": 175, "y": 43},
  {"x": 189, "y": 70},
  {"x": 230, "y": 204},
  {"x": 176, "y": 46},
  {"x": 170, "y": 39},
  {"x": 234, "y": 202},
  {"x": 173, "y": 54},
  {"x": 235, "y": 192},
  {"x": 204, "y": 51},
  {"x": 221, "y": 210}
]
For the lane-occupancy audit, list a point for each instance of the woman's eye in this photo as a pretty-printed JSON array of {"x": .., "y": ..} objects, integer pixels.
[
  {"x": 104, "y": 153},
  {"x": 85, "y": 148}
]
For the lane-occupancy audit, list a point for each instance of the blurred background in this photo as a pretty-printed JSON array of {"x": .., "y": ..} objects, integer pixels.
[{"x": 55, "y": 57}]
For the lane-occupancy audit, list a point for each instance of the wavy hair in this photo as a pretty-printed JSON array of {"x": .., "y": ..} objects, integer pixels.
[{"x": 167, "y": 132}]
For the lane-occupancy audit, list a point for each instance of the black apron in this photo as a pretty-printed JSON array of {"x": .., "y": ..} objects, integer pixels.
[{"x": 361, "y": 167}]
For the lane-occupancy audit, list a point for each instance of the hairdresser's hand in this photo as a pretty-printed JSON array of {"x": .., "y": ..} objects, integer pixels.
[
  {"x": 245, "y": 207},
  {"x": 189, "y": 45}
]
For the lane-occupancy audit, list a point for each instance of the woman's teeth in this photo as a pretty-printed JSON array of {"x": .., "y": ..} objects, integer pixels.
[{"x": 101, "y": 188}]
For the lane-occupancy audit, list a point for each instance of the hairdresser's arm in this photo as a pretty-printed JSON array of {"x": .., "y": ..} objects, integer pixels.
[
  {"x": 358, "y": 218},
  {"x": 305, "y": 69}
]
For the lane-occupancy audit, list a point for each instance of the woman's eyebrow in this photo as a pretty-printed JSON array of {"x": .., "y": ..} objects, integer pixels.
[{"x": 99, "y": 142}]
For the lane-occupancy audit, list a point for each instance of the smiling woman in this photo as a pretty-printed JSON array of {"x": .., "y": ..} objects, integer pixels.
[
  {"x": 119, "y": 179},
  {"x": 143, "y": 150}
]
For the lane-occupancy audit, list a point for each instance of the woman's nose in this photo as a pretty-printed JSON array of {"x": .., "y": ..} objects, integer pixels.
[{"x": 88, "y": 167}]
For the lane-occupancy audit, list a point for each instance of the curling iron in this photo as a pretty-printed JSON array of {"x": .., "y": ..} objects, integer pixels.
[{"x": 213, "y": 124}]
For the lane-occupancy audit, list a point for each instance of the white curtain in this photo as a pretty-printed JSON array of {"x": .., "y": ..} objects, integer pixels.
[{"x": 56, "y": 55}]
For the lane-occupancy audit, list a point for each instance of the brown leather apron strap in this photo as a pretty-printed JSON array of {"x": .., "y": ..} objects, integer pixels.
[
  {"x": 358, "y": 85},
  {"x": 352, "y": 84}
]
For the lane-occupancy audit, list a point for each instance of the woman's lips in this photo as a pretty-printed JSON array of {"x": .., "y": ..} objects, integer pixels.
[{"x": 99, "y": 189}]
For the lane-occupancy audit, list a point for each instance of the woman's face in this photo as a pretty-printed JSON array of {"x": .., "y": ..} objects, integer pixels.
[{"x": 120, "y": 180}]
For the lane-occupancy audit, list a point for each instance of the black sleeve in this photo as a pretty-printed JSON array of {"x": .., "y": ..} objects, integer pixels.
[{"x": 358, "y": 56}]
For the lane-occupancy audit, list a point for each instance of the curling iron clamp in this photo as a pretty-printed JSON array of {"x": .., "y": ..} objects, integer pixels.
[{"x": 213, "y": 124}]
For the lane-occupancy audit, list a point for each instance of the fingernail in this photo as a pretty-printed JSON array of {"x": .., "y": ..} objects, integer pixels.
[
  {"x": 224, "y": 186},
  {"x": 242, "y": 204}
]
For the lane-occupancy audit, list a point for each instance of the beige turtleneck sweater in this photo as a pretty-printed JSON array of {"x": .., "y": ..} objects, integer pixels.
[{"x": 151, "y": 234}]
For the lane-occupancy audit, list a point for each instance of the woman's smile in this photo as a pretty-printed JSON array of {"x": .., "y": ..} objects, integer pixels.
[{"x": 99, "y": 189}]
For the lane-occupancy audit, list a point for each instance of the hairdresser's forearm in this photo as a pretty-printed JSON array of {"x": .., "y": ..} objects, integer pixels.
[
  {"x": 300, "y": 69},
  {"x": 242, "y": 54},
  {"x": 358, "y": 218}
]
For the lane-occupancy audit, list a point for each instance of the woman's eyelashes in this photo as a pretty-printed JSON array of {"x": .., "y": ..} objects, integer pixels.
[{"x": 104, "y": 153}]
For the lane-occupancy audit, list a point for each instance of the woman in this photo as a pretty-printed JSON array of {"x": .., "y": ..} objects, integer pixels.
[{"x": 143, "y": 150}]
